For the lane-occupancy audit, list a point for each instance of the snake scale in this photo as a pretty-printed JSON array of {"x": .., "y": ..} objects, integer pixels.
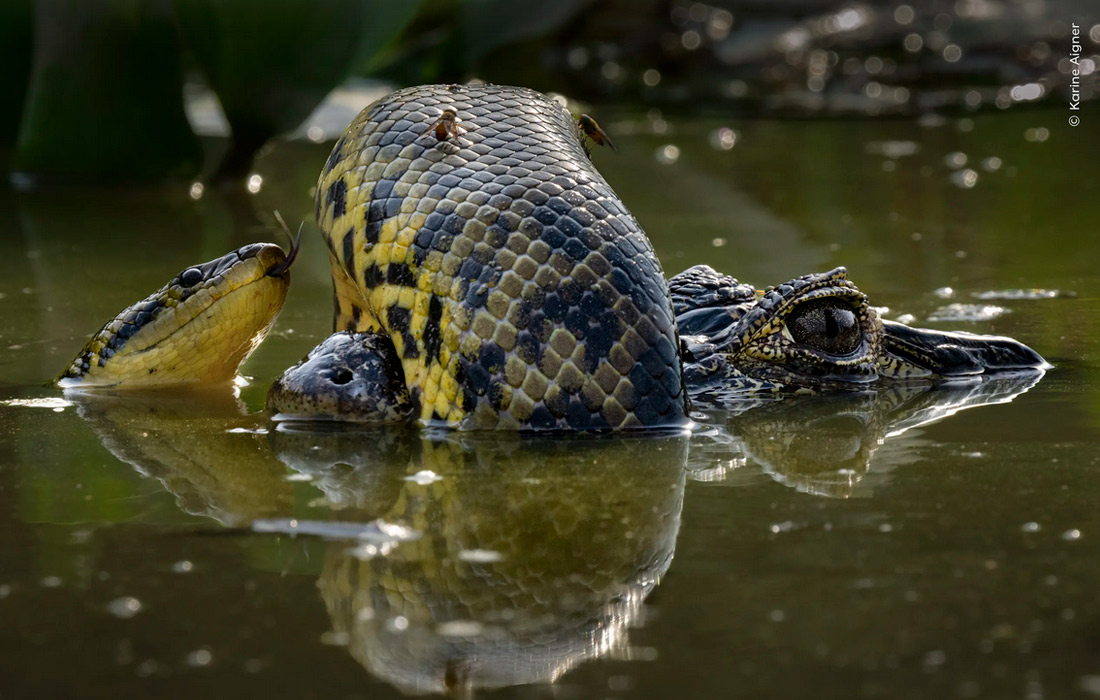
[{"x": 517, "y": 289}]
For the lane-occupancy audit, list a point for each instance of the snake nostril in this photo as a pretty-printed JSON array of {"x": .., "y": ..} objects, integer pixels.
[{"x": 341, "y": 375}]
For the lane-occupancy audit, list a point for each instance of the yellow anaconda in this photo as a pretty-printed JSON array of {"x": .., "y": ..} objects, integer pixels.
[{"x": 516, "y": 288}]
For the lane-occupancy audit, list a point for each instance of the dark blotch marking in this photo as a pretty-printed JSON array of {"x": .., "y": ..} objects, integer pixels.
[
  {"x": 398, "y": 318},
  {"x": 349, "y": 252},
  {"x": 337, "y": 196},
  {"x": 432, "y": 330},
  {"x": 401, "y": 275}
]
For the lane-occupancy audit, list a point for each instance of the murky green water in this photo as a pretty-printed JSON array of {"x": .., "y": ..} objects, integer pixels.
[{"x": 910, "y": 545}]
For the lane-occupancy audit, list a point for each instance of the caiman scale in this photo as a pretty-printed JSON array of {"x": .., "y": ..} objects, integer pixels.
[{"x": 485, "y": 275}]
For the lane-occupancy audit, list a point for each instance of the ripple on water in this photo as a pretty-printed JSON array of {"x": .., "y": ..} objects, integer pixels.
[
  {"x": 968, "y": 312},
  {"x": 1016, "y": 294}
]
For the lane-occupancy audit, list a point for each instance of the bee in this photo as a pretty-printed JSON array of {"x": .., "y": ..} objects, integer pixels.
[
  {"x": 446, "y": 128},
  {"x": 590, "y": 129}
]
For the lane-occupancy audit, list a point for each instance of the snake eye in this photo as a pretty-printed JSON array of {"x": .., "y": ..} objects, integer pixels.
[
  {"x": 190, "y": 277},
  {"x": 827, "y": 325}
]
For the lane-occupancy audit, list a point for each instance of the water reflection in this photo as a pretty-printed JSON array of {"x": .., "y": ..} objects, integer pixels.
[
  {"x": 533, "y": 556},
  {"x": 826, "y": 445},
  {"x": 463, "y": 561}
]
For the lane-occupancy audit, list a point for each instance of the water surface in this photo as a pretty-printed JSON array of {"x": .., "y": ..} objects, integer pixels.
[{"x": 911, "y": 544}]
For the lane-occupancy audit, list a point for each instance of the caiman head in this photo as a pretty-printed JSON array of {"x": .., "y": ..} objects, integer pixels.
[{"x": 816, "y": 333}]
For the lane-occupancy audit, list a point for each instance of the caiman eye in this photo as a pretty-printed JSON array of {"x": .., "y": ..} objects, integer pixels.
[{"x": 827, "y": 325}]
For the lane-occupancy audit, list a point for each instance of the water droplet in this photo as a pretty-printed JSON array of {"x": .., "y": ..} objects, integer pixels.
[
  {"x": 965, "y": 178},
  {"x": 777, "y": 615},
  {"x": 1071, "y": 535},
  {"x": 424, "y": 477},
  {"x": 51, "y": 582},
  {"x": 955, "y": 160},
  {"x": 1031, "y": 526},
  {"x": 459, "y": 628},
  {"x": 952, "y": 53},
  {"x": 480, "y": 556},
  {"x": 718, "y": 242},
  {"x": 315, "y": 134},
  {"x": 200, "y": 658},
  {"x": 255, "y": 183},
  {"x": 183, "y": 567},
  {"x": 125, "y": 607},
  {"x": 398, "y": 624},
  {"x": 668, "y": 154},
  {"x": 196, "y": 190}
]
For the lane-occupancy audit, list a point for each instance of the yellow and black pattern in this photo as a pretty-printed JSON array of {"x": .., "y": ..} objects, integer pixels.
[{"x": 516, "y": 288}]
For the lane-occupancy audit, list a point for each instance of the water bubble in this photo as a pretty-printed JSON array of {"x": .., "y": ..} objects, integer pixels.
[
  {"x": 1037, "y": 134},
  {"x": 459, "y": 628},
  {"x": 973, "y": 98},
  {"x": 937, "y": 657},
  {"x": 718, "y": 242},
  {"x": 5, "y": 591},
  {"x": 480, "y": 556},
  {"x": 51, "y": 582},
  {"x": 668, "y": 154},
  {"x": 611, "y": 71},
  {"x": 315, "y": 134},
  {"x": 182, "y": 567},
  {"x": 885, "y": 527},
  {"x": 200, "y": 658},
  {"x": 955, "y": 160},
  {"x": 1031, "y": 527},
  {"x": 723, "y": 138},
  {"x": 255, "y": 183},
  {"x": 196, "y": 190},
  {"x": 965, "y": 125},
  {"x": 944, "y": 292},
  {"x": 965, "y": 178},
  {"x": 397, "y": 624},
  {"x": 777, "y": 615},
  {"x": 125, "y": 607},
  {"x": 952, "y": 53},
  {"x": 1026, "y": 92},
  {"x": 991, "y": 164},
  {"x": 691, "y": 40},
  {"x": 651, "y": 77},
  {"x": 424, "y": 477},
  {"x": 577, "y": 57},
  {"x": 913, "y": 43},
  {"x": 1071, "y": 535},
  {"x": 967, "y": 312},
  {"x": 903, "y": 14}
]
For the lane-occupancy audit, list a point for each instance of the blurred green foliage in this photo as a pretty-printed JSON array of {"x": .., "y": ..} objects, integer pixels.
[
  {"x": 105, "y": 99},
  {"x": 271, "y": 63}
]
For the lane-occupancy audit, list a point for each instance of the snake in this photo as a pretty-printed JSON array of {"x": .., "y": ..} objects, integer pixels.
[{"x": 486, "y": 276}]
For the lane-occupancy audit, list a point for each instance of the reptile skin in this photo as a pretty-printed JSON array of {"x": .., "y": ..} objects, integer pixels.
[{"x": 516, "y": 288}]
